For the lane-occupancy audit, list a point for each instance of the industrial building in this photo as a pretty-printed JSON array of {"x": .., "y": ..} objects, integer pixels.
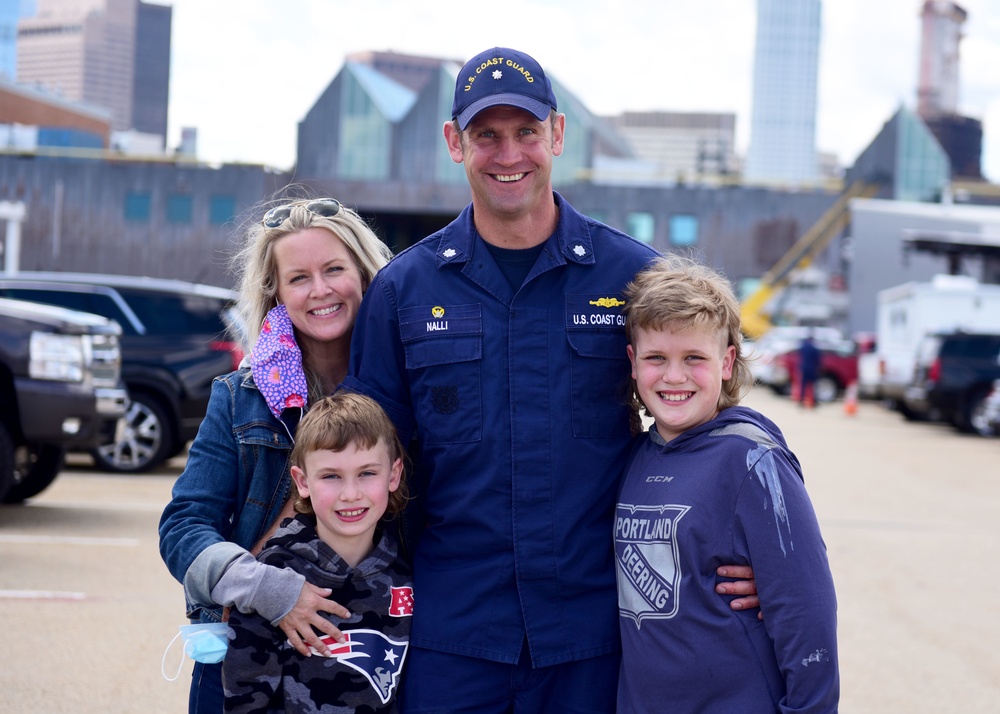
[{"x": 682, "y": 147}]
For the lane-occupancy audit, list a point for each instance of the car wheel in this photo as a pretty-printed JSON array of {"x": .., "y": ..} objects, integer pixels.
[
  {"x": 978, "y": 418},
  {"x": 7, "y": 469},
  {"x": 35, "y": 468},
  {"x": 826, "y": 389},
  {"x": 143, "y": 438},
  {"x": 906, "y": 412}
]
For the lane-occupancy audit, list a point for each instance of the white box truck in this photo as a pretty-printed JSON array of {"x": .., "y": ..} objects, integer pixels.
[{"x": 909, "y": 311}]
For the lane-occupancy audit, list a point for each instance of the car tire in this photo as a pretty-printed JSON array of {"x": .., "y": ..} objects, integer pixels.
[
  {"x": 826, "y": 388},
  {"x": 143, "y": 438},
  {"x": 976, "y": 418},
  {"x": 906, "y": 412},
  {"x": 7, "y": 470},
  {"x": 36, "y": 466}
]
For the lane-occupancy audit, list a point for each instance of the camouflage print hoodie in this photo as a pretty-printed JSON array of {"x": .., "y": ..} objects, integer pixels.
[{"x": 263, "y": 673}]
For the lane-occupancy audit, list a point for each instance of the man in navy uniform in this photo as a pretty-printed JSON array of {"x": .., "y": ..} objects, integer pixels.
[{"x": 498, "y": 344}]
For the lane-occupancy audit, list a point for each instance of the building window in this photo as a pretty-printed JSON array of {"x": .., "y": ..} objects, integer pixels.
[
  {"x": 683, "y": 230},
  {"x": 365, "y": 135},
  {"x": 640, "y": 226},
  {"x": 137, "y": 206},
  {"x": 221, "y": 210},
  {"x": 179, "y": 208}
]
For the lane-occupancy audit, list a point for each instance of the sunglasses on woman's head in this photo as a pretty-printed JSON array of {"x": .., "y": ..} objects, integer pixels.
[{"x": 326, "y": 207}]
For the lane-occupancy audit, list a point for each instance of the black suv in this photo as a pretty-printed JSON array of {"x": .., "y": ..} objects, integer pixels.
[
  {"x": 60, "y": 387},
  {"x": 174, "y": 342},
  {"x": 953, "y": 376}
]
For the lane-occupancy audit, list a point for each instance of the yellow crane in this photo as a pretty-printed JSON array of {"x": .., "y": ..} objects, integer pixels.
[{"x": 800, "y": 255}]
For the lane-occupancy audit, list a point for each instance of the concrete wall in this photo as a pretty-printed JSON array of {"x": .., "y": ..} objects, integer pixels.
[{"x": 76, "y": 215}]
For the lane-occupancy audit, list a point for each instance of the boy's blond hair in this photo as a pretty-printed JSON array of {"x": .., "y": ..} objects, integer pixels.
[
  {"x": 677, "y": 292},
  {"x": 344, "y": 418}
]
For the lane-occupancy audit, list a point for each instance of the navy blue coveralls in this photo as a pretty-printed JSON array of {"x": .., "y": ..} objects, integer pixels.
[{"x": 517, "y": 401}]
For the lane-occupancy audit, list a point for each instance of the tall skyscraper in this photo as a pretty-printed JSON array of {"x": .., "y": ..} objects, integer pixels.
[
  {"x": 113, "y": 54},
  {"x": 786, "y": 66},
  {"x": 150, "y": 91},
  {"x": 10, "y": 12}
]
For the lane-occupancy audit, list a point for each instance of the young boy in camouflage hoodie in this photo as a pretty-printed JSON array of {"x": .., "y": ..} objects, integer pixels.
[{"x": 347, "y": 466}]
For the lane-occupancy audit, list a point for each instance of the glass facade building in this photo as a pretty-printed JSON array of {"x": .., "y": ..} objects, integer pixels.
[
  {"x": 368, "y": 125},
  {"x": 786, "y": 65},
  {"x": 906, "y": 158},
  {"x": 10, "y": 12}
]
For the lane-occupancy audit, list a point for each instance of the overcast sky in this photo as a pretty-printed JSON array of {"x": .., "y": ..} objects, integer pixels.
[{"x": 245, "y": 72}]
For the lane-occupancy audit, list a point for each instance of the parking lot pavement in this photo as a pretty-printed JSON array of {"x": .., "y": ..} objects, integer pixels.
[
  {"x": 88, "y": 605},
  {"x": 909, "y": 512}
]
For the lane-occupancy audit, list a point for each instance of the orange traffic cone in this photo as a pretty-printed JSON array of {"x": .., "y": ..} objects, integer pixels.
[{"x": 851, "y": 399}]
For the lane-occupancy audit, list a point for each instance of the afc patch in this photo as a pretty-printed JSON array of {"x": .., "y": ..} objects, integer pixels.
[
  {"x": 445, "y": 399},
  {"x": 646, "y": 558},
  {"x": 402, "y": 602}
]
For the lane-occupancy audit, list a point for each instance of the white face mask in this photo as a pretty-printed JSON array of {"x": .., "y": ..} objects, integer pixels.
[{"x": 204, "y": 642}]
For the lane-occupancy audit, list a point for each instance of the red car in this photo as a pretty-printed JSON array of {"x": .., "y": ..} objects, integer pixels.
[{"x": 838, "y": 367}]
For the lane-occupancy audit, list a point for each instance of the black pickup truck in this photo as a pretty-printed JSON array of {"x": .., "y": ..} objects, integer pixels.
[
  {"x": 954, "y": 374},
  {"x": 60, "y": 388},
  {"x": 174, "y": 343}
]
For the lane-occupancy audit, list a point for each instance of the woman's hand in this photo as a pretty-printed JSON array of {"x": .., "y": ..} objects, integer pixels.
[
  {"x": 301, "y": 623},
  {"x": 744, "y": 585}
]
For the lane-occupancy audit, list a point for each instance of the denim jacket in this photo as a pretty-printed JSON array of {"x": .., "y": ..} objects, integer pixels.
[{"x": 233, "y": 488}]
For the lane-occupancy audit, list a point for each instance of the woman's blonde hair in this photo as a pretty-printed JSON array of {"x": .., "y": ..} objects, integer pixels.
[
  {"x": 678, "y": 292},
  {"x": 256, "y": 270}
]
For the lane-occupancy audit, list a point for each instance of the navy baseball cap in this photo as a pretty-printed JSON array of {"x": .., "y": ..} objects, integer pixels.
[{"x": 502, "y": 76}]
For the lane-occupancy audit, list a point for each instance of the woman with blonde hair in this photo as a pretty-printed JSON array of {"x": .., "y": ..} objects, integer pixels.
[{"x": 302, "y": 272}]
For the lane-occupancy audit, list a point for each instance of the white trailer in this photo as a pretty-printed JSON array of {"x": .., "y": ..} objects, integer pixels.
[{"x": 908, "y": 312}]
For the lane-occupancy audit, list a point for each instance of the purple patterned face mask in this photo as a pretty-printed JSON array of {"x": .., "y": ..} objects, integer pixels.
[{"x": 276, "y": 363}]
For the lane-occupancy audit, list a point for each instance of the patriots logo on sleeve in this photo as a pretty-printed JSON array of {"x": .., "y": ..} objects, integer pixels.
[{"x": 377, "y": 657}]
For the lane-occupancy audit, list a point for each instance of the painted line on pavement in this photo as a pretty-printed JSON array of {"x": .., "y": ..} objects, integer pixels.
[
  {"x": 99, "y": 505},
  {"x": 40, "y": 595},
  {"x": 67, "y": 540}
]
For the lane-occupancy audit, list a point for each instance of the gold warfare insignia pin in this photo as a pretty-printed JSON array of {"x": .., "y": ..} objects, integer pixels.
[{"x": 608, "y": 302}]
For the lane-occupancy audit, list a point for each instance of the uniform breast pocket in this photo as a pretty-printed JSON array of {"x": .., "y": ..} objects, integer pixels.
[
  {"x": 444, "y": 354},
  {"x": 600, "y": 382}
]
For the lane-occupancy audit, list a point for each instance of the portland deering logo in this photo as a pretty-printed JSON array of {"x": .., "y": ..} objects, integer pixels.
[{"x": 646, "y": 556}]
